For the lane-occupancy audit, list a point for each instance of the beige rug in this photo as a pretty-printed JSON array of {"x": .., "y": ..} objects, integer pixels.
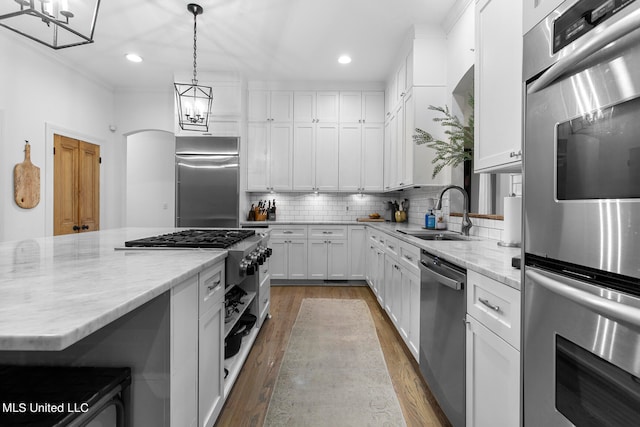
[{"x": 333, "y": 372}]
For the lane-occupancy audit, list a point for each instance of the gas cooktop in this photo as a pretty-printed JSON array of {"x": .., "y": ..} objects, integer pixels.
[{"x": 193, "y": 239}]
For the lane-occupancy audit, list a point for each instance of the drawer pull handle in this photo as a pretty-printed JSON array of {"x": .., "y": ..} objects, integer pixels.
[
  {"x": 215, "y": 285},
  {"x": 287, "y": 232},
  {"x": 488, "y": 304},
  {"x": 408, "y": 257}
]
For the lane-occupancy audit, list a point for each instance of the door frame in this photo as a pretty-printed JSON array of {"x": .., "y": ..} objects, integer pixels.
[{"x": 50, "y": 130}]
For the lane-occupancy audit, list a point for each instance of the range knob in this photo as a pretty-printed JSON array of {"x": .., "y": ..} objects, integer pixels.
[{"x": 251, "y": 269}]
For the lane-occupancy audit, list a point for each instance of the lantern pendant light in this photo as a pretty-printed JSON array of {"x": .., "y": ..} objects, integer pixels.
[{"x": 194, "y": 100}]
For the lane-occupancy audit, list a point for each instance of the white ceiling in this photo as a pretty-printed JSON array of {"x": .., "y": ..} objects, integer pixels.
[{"x": 270, "y": 40}]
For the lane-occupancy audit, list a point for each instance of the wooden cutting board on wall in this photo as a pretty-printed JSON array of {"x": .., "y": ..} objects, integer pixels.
[{"x": 26, "y": 182}]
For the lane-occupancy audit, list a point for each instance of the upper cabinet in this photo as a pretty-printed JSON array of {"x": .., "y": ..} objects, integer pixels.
[
  {"x": 270, "y": 106},
  {"x": 498, "y": 86},
  {"x": 361, "y": 107},
  {"x": 315, "y": 107},
  {"x": 535, "y": 11},
  {"x": 315, "y": 141},
  {"x": 419, "y": 81}
]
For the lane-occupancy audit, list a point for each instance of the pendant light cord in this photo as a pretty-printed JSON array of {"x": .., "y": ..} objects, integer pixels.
[{"x": 195, "y": 39}]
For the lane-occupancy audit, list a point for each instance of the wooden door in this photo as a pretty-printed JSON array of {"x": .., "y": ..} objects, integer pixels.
[{"x": 76, "y": 205}]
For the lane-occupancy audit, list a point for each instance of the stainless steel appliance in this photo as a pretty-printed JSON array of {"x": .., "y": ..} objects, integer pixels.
[
  {"x": 207, "y": 182},
  {"x": 581, "y": 294},
  {"x": 246, "y": 249},
  {"x": 442, "y": 333}
]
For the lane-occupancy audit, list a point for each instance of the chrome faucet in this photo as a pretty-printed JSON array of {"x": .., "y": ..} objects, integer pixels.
[{"x": 466, "y": 222}]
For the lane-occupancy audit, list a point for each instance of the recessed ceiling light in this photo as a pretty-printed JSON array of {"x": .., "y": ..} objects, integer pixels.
[
  {"x": 133, "y": 57},
  {"x": 344, "y": 59}
]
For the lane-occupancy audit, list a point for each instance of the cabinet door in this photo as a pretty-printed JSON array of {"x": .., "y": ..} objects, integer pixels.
[
  {"x": 279, "y": 258},
  {"x": 388, "y": 285},
  {"x": 373, "y": 107},
  {"x": 337, "y": 260},
  {"x": 317, "y": 259},
  {"x": 372, "y": 156},
  {"x": 492, "y": 379},
  {"x": 258, "y": 105},
  {"x": 404, "y": 304},
  {"x": 327, "y": 107},
  {"x": 281, "y": 106},
  {"x": 350, "y": 157},
  {"x": 358, "y": 253},
  {"x": 350, "y": 107},
  {"x": 304, "y": 169},
  {"x": 327, "y": 151},
  {"x": 401, "y": 81},
  {"x": 400, "y": 146},
  {"x": 280, "y": 156},
  {"x": 386, "y": 175},
  {"x": 380, "y": 277},
  {"x": 304, "y": 107},
  {"x": 407, "y": 129},
  {"x": 211, "y": 365},
  {"x": 257, "y": 156},
  {"x": 498, "y": 86},
  {"x": 297, "y": 252}
]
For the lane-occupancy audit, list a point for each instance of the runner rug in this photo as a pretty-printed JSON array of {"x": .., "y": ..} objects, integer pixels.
[{"x": 333, "y": 372}]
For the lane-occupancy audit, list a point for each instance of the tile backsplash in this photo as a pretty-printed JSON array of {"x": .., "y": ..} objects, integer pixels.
[{"x": 349, "y": 207}]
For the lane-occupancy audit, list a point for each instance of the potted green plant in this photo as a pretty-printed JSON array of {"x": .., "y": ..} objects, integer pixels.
[{"x": 458, "y": 148}]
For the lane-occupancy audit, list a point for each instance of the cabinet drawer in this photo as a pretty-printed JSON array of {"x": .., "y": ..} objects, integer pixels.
[
  {"x": 495, "y": 305},
  {"x": 211, "y": 287},
  {"x": 391, "y": 246},
  {"x": 289, "y": 231},
  {"x": 409, "y": 257},
  {"x": 334, "y": 232}
]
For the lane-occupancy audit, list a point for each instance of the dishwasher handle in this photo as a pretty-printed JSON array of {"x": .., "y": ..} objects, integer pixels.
[{"x": 455, "y": 284}]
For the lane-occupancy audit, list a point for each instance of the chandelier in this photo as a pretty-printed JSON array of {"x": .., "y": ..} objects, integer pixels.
[
  {"x": 54, "y": 23},
  {"x": 194, "y": 101}
]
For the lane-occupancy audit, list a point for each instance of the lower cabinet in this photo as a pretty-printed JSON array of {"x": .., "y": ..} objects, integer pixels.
[
  {"x": 357, "y": 252},
  {"x": 409, "y": 317},
  {"x": 492, "y": 353},
  {"x": 492, "y": 379},
  {"x": 328, "y": 259},
  {"x": 289, "y": 258}
]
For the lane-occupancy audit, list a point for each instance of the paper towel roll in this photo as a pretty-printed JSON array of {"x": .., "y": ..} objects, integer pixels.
[{"x": 512, "y": 220}]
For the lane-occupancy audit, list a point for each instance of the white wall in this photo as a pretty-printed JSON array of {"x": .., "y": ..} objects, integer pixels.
[
  {"x": 40, "y": 95},
  {"x": 150, "y": 179}
]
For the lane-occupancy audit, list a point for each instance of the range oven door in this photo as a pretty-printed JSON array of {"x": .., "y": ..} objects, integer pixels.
[
  {"x": 582, "y": 147},
  {"x": 581, "y": 353}
]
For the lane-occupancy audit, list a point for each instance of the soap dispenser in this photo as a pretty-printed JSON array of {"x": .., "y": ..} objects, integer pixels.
[{"x": 430, "y": 220}]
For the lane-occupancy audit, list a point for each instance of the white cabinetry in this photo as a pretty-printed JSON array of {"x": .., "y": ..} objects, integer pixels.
[
  {"x": 361, "y": 107},
  {"x": 269, "y": 156},
  {"x": 270, "y": 106},
  {"x": 211, "y": 345},
  {"x": 498, "y": 86},
  {"x": 492, "y": 353},
  {"x": 315, "y": 107},
  {"x": 361, "y": 157},
  {"x": 289, "y": 258},
  {"x": 535, "y": 11},
  {"x": 357, "y": 252},
  {"x": 315, "y": 150},
  {"x": 328, "y": 253}
]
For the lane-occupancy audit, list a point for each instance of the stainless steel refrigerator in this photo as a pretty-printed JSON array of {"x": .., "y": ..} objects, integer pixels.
[{"x": 207, "y": 181}]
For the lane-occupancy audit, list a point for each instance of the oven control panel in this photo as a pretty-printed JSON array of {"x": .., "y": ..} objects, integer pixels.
[
  {"x": 249, "y": 265},
  {"x": 582, "y": 18}
]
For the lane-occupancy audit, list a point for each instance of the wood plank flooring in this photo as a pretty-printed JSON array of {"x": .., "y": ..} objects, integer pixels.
[{"x": 249, "y": 399}]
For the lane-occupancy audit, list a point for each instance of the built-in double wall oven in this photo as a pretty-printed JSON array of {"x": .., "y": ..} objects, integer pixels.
[{"x": 581, "y": 293}]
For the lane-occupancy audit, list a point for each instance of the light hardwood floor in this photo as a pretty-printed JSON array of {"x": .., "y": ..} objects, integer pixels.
[{"x": 249, "y": 399}]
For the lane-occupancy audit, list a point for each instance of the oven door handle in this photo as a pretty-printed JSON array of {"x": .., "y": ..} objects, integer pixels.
[
  {"x": 610, "y": 34},
  {"x": 611, "y": 309}
]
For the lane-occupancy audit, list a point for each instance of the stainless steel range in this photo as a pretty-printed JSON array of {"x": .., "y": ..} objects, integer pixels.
[{"x": 247, "y": 250}]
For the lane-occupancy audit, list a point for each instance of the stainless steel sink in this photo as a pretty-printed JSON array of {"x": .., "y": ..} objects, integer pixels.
[
  {"x": 432, "y": 235},
  {"x": 441, "y": 236}
]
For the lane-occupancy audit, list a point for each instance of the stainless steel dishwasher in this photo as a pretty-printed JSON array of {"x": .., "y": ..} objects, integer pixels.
[{"x": 442, "y": 333}]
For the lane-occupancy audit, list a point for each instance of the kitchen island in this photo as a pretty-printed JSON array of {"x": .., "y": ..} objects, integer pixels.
[{"x": 76, "y": 300}]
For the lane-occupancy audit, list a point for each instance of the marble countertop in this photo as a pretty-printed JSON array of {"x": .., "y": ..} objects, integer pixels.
[
  {"x": 481, "y": 255},
  {"x": 54, "y": 291}
]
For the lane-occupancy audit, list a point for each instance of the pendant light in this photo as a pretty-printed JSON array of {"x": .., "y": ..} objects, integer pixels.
[
  {"x": 194, "y": 100},
  {"x": 54, "y": 23}
]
